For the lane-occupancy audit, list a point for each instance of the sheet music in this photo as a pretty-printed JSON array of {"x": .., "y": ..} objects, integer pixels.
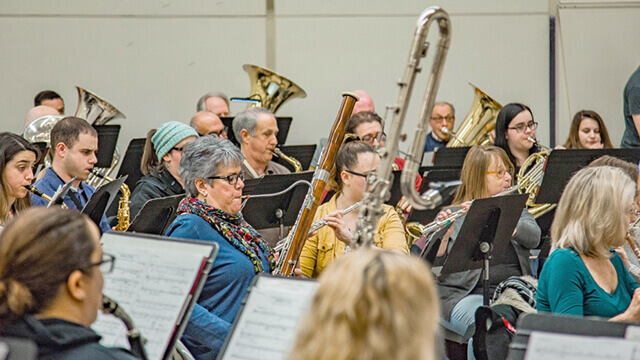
[
  {"x": 267, "y": 327},
  {"x": 151, "y": 281},
  {"x": 544, "y": 346}
]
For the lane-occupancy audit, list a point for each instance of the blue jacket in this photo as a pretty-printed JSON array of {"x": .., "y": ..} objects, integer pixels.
[
  {"x": 49, "y": 185},
  {"x": 432, "y": 144},
  {"x": 223, "y": 291}
]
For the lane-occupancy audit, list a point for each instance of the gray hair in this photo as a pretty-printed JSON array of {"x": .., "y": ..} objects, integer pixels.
[
  {"x": 248, "y": 120},
  {"x": 453, "y": 109},
  {"x": 200, "y": 106},
  {"x": 203, "y": 157}
]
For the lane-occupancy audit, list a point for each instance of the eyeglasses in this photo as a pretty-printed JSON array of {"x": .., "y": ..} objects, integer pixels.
[
  {"x": 500, "y": 174},
  {"x": 522, "y": 127},
  {"x": 220, "y": 133},
  {"x": 232, "y": 179},
  {"x": 106, "y": 264},
  {"x": 357, "y": 173},
  {"x": 177, "y": 148},
  {"x": 439, "y": 119},
  {"x": 369, "y": 138}
]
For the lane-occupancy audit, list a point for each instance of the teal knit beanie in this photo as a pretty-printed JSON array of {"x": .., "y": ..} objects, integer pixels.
[{"x": 169, "y": 135}]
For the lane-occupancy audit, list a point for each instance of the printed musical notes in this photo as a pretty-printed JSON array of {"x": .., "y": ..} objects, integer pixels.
[
  {"x": 269, "y": 321},
  {"x": 151, "y": 281}
]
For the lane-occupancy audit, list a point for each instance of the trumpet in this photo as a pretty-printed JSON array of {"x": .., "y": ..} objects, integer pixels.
[
  {"x": 417, "y": 230},
  {"x": 317, "y": 225},
  {"x": 297, "y": 167}
]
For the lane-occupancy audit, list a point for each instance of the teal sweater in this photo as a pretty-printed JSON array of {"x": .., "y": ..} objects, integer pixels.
[{"x": 567, "y": 287}]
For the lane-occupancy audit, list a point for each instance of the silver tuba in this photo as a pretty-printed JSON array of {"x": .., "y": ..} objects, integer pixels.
[
  {"x": 96, "y": 111},
  {"x": 370, "y": 213}
]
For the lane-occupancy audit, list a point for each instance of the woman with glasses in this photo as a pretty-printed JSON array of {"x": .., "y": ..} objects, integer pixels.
[
  {"x": 51, "y": 283},
  {"x": 211, "y": 169},
  {"x": 515, "y": 129},
  {"x": 486, "y": 172},
  {"x": 588, "y": 131},
  {"x": 584, "y": 276},
  {"x": 354, "y": 161},
  {"x": 160, "y": 161},
  {"x": 17, "y": 158}
]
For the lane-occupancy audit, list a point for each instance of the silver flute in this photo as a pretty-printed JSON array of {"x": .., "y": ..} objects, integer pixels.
[{"x": 318, "y": 225}]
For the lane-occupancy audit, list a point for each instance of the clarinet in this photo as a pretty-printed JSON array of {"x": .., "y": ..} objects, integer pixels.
[{"x": 136, "y": 342}]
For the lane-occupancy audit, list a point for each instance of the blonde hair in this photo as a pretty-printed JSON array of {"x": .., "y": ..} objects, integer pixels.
[
  {"x": 474, "y": 171},
  {"x": 591, "y": 213},
  {"x": 371, "y": 305}
]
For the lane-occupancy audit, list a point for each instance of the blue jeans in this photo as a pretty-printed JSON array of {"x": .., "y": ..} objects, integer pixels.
[{"x": 463, "y": 318}]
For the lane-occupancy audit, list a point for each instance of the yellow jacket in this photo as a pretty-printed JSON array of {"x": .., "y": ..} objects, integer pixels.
[{"x": 320, "y": 250}]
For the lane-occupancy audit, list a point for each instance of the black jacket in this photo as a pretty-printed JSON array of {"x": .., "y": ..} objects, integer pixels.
[
  {"x": 153, "y": 186},
  {"x": 61, "y": 339}
]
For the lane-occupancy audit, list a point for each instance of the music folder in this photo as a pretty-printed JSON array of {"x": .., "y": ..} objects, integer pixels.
[
  {"x": 268, "y": 320},
  {"x": 157, "y": 281}
]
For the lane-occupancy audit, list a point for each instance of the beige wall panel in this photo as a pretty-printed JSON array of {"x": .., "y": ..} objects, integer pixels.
[
  {"x": 507, "y": 56},
  {"x": 601, "y": 51},
  {"x": 153, "y": 70}
]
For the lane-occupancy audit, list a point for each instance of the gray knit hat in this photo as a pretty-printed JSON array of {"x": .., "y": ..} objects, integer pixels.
[{"x": 168, "y": 135}]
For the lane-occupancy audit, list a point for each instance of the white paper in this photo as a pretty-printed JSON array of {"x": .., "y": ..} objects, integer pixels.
[
  {"x": 545, "y": 346},
  {"x": 267, "y": 328},
  {"x": 151, "y": 281}
]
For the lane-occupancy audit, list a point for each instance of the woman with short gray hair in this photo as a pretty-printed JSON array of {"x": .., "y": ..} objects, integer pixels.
[{"x": 211, "y": 169}]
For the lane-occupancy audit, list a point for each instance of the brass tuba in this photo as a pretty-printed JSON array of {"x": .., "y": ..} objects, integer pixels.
[
  {"x": 97, "y": 111},
  {"x": 479, "y": 122},
  {"x": 379, "y": 181},
  {"x": 269, "y": 89}
]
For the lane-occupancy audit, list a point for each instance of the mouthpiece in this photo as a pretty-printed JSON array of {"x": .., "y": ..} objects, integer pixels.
[
  {"x": 532, "y": 140},
  {"x": 445, "y": 130}
]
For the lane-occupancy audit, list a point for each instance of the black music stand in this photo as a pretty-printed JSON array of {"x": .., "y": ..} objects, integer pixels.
[
  {"x": 487, "y": 230},
  {"x": 562, "y": 164},
  {"x": 130, "y": 166},
  {"x": 434, "y": 175},
  {"x": 284, "y": 124},
  {"x": 156, "y": 215},
  {"x": 101, "y": 199},
  {"x": 427, "y": 248},
  {"x": 107, "y": 140},
  {"x": 450, "y": 157},
  {"x": 279, "y": 210},
  {"x": 302, "y": 153}
]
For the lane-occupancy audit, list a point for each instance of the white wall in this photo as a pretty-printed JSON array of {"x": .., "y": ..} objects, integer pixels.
[
  {"x": 154, "y": 59},
  {"x": 601, "y": 43}
]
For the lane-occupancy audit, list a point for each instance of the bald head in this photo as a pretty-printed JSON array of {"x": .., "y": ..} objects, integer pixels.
[
  {"x": 208, "y": 123},
  {"x": 38, "y": 112},
  {"x": 364, "y": 104}
]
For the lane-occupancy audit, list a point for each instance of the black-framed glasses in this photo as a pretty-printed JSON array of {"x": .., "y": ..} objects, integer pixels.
[
  {"x": 357, "y": 173},
  {"x": 106, "y": 264},
  {"x": 522, "y": 127},
  {"x": 232, "y": 179},
  {"x": 369, "y": 138},
  {"x": 439, "y": 119},
  {"x": 177, "y": 148}
]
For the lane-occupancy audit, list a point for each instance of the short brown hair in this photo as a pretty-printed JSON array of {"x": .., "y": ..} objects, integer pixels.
[
  {"x": 39, "y": 249},
  {"x": 361, "y": 118},
  {"x": 474, "y": 170},
  {"x": 68, "y": 130}
]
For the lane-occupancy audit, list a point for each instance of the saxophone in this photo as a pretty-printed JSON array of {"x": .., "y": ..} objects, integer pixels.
[
  {"x": 124, "y": 215},
  {"x": 297, "y": 167},
  {"x": 136, "y": 341}
]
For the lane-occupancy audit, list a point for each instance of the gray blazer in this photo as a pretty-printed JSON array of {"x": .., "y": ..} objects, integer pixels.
[{"x": 453, "y": 287}]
